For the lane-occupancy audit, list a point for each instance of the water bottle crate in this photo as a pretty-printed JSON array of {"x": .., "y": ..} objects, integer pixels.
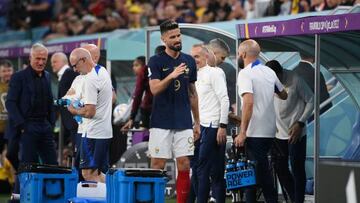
[{"x": 240, "y": 178}]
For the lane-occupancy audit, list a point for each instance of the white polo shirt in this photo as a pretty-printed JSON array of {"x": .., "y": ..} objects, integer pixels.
[
  {"x": 261, "y": 81},
  {"x": 213, "y": 99},
  {"x": 62, "y": 71},
  {"x": 98, "y": 91}
]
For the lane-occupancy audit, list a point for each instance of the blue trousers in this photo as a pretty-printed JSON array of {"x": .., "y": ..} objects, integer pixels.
[
  {"x": 293, "y": 182},
  {"x": 257, "y": 150},
  {"x": 38, "y": 141},
  {"x": 208, "y": 165}
]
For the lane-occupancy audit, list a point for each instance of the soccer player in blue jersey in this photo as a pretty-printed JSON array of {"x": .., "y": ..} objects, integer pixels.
[{"x": 172, "y": 77}]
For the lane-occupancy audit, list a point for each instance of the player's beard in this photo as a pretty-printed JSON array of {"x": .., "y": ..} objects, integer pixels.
[
  {"x": 176, "y": 48},
  {"x": 240, "y": 63}
]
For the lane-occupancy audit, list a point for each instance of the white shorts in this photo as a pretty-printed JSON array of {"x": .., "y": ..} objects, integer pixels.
[{"x": 163, "y": 143}]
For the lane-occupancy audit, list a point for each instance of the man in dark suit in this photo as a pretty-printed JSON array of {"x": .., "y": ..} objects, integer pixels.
[
  {"x": 306, "y": 71},
  {"x": 30, "y": 106},
  {"x": 66, "y": 76}
]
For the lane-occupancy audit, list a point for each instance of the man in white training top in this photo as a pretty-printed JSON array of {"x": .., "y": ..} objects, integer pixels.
[
  {"x": 257, "y": 85},
  {"x": 209, "y": 156},
  {"x": 94, "y": 150}
]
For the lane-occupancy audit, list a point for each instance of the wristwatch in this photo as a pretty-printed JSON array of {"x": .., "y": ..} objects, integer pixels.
[{"x": 223, "y": 125}]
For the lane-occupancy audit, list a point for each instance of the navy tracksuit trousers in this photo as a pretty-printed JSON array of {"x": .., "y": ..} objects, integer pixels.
[{"x": 208, "y": 165}]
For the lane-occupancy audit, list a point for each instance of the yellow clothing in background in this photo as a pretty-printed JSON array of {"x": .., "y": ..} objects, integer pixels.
[
  {"x": 3, "y": 112},
  {"x": 6, "y": 172}
]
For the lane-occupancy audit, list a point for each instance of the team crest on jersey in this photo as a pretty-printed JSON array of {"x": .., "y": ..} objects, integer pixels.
[{"x": 187, "y": 70}]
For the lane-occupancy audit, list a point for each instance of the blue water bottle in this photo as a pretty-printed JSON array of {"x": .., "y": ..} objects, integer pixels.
[
  {"x": 230, "y": 166},
  {"x": 240, "y": 165},
  {"x": 78, "y": 104},
  {"x": 62, "y": 102}
]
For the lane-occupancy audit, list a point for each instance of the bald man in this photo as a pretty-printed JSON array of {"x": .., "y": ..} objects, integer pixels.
[
  {"x": 257, "y": 85},
  {"x": 95, "y": 55},
  {"x": 94, "y": 52},
  {"x": 97, "y": 92}
]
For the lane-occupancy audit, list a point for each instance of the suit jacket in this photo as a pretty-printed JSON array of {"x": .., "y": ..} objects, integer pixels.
[
  {"x": 64, "y": 85},
  {"x": 20, "y": 100},
  {"x": 307, "y": 71}
]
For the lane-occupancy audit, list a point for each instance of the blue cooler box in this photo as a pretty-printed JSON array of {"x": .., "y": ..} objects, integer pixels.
[
  {"x": 135, "y": 185},
  {"x": 47, "y": 184}
]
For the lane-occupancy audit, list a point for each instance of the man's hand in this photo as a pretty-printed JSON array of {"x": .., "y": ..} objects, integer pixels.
[
  {"x": 127, "y": 126},
  {"x": 72, "y": 110},
  {"x": 178, "y": 71},
  {"x": 221, "y": 136},
  {"x": 240, "y": 139},
  {"x": 295, "y": 133},
  {"x": 196, "y": 131}
]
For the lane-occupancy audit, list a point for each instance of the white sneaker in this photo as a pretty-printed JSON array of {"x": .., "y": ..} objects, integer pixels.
[{"x": 213, "y": 200}]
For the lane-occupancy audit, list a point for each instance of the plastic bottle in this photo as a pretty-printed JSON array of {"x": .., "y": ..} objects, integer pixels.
[
  {"x": 67, "y": 102},
  {"x": 62, "y": 102},
  {"x": 230, "y": 165},
  {"x": 241, "y": 163},
  {"x": 77, "y": 104},
  {"x": 250, "y": 164}
]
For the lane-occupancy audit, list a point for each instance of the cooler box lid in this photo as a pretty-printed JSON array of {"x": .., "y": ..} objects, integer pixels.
[
  {"x": 139, "y": 172},
  {"x": 43, "y": 168}
]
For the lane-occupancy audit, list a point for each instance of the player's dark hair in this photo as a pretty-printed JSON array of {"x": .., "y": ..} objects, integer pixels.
[{"x": 168, "y": 25}]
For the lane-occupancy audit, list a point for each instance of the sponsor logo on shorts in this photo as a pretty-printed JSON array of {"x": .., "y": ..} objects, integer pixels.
[
  {"x": 191, "y": 140},
  {"x": 157, "y": 150}
]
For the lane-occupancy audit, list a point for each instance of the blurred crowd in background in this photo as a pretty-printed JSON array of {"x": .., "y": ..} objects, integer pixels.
[{"x": 76, "y": 17}]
